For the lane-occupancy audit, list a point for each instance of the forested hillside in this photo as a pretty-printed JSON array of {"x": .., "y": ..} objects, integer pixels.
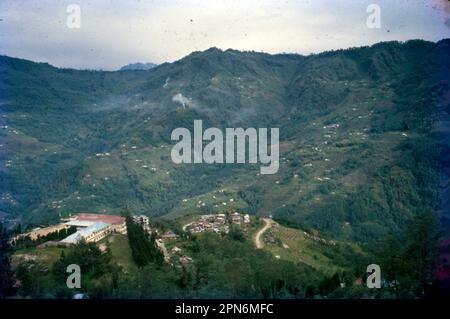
[{"x": 362, "y": 132}]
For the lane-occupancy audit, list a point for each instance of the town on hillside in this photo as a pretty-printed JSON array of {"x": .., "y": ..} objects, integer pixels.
[
  {"x": 218, "y": 223},
  {"x": 92, "y": 228}
]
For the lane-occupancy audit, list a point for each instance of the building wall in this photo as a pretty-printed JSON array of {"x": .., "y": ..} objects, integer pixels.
[
  {"x": 119, "y": 228},
  {"x": 97, "y": 235},
  {"x": 43, "y": 231}
]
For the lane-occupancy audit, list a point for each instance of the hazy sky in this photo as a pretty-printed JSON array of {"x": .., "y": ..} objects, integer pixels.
[{"x": 115, "y": 33}]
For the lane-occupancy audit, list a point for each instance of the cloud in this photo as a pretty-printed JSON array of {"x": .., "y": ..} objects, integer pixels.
[{"x": 184, "y": 101}]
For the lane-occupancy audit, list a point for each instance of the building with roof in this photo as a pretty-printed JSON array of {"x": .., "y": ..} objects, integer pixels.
[
  {"x": 92, "y": 233},
  {"x": 144, "y": 221},
  {"x": 117, "y": 223},
  {"x": 236, "y": 218},
  {"x": 169, "y": 234},
  {"x": 79, "y": 223},
  {"x": 41, "y": 232},
  {"x": 109, "y": 219}
]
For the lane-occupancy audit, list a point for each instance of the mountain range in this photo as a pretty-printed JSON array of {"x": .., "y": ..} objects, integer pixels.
[
  {"x": 364, "y": 137},
  {"x": 138, "y": 66}
]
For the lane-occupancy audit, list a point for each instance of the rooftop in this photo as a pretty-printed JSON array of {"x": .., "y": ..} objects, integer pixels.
[
  {"x": 79, "y": 235},
  {"x": 109, "y": 219},
  {"x": 79, "y": 223}
]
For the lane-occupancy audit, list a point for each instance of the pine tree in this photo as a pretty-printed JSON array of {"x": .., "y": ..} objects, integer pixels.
[
  {"x": 422, "y": 250},
  {"x": 5, "y": 267},
  {"x": 143, "y": 247}
]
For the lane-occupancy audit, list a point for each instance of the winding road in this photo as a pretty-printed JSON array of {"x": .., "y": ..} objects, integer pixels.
[
  {"x": 258, "y": 242},
  {"x": 163, "y": 249}
]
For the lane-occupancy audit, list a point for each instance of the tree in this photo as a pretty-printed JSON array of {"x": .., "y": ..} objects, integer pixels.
[
  {"x": 143, "y": 247},
  {"x": 421, "y": 252},
  {"x": 5, "y": 266},
  {"x": 329, "y": 284},
  {"x": 391, "y": 255},
  {"x": 408, "y": 261},
  {"x": 92, "y": 261},
  {"x": 236, "y": 233}
]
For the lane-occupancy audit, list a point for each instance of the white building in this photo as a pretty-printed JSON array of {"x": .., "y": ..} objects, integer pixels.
[
  {"x": 93, "y": 233},
  {"x": 144, "y": 221},
  {"x": 236, "y": 218}
]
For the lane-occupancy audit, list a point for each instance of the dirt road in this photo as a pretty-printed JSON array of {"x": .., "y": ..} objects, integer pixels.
[
  {"x": 163, "y": 249},
  {"x": 258, "y": 241}
]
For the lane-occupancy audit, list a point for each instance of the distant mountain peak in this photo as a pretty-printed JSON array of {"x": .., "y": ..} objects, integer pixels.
[{"x": 138, "y": 66}]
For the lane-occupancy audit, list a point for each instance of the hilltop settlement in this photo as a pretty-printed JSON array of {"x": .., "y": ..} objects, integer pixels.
[{"x": 92, "y": 228}]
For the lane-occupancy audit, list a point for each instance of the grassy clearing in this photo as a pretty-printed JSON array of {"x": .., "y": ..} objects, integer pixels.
[
  {"x": 121, "y": 252},
  {"x": 47, "y": 256},
  {"x": 295, "y": 247}
]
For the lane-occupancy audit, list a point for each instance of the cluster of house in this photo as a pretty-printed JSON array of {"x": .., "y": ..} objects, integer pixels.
[
  {"x": 270, "y": 236},
  {"x": 218, "y": 223},
  {"x": 239, "y": 218},
  {"x": 177, "y": 254},
  {"x": 319, "y": 239}
]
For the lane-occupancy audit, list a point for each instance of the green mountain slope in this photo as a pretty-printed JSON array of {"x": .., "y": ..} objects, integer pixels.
[{"x": 362, "y": 131}]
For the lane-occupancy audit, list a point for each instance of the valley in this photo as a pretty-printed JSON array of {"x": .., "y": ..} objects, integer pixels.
[
  {"x": 361, "y": 137},
  {"x": 348, "y": 134}
]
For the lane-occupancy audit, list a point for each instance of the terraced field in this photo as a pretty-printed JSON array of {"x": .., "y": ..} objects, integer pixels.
[{"x": 293, "y": 245}]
